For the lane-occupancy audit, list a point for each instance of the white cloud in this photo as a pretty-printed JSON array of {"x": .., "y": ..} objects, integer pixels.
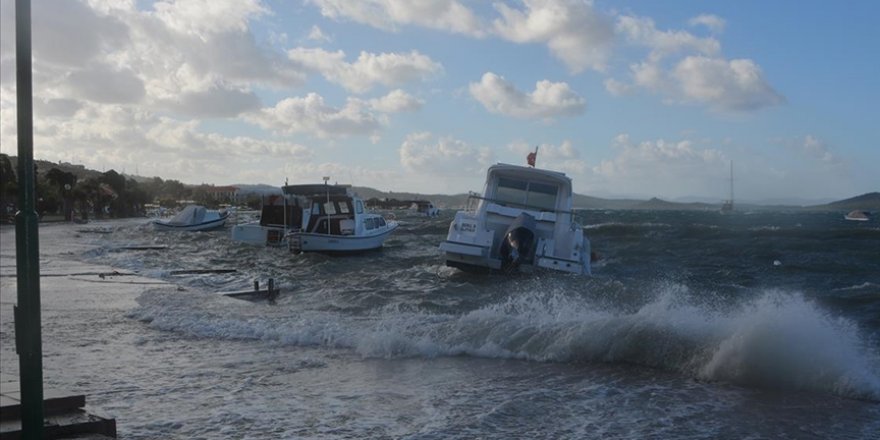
[
  {"x": 103, "y": 136},
  {"x": 447, "y": 15},
  {"x": 714, "y": 23},
  {"x": 311, "y": 115},
  {"x": 658, "y": 167},
  {"x": 642, "y": 31},
  {"x": 617, "y": 88},
  {"x": 685, "y": 68},
  {"x": 316, "y": 34},
  {"x": 103, "y": 84},
  {"x": 217, "y": 102},
  {"x": 171, "y": 57},
  {"x": 813, "y": 148},
  {"x": 548, "y": 100},
  {"x": 396, "y": 101},
  {"x": 206, "y": 18},
  {"x": 389, "y": 69},
  {"x": 447, "y": 156},
  {"x": 726, "y": 85},
  {"x": 572, "y": 30}
]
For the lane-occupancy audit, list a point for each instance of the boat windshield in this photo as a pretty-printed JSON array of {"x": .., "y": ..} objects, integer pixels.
[{"x": 519, "y": 193}]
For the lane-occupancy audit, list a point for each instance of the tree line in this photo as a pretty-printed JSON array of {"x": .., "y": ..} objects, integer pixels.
[{"x": 80, "y": 196}]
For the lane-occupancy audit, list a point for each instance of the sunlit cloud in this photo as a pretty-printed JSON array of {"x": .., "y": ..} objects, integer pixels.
[{"x": 548, "y": 100}]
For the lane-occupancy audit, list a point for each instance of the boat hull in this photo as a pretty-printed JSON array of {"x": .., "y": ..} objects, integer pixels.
[
  {"x": 257, "y": 234},
  {"x": 311, "y": 242},
  {"x": 203, "y": 226}
]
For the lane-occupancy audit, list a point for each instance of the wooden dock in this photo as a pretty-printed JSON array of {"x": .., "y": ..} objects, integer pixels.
[
  {"x": 63, "y": 412},
  {"x": 270, "y": 293}
]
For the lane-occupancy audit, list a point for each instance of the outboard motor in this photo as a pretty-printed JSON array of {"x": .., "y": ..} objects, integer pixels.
[{"x": 518, "y": 246}]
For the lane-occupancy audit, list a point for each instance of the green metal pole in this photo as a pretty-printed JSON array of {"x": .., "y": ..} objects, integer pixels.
[{"x": 27, "y": 312}]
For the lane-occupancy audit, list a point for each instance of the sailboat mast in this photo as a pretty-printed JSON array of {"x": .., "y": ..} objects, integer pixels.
[{"x": 731, "y": 182}]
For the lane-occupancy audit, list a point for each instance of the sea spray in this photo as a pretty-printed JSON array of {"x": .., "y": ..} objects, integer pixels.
[
  {"x": 782, "y": 340},
  {"x": 777, "y": 340}
]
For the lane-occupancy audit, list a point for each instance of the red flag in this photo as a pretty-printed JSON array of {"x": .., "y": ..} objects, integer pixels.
[{"x": 531, "y": 158}]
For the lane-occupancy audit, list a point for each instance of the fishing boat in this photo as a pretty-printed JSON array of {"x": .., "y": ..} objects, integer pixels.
[
  {"x": 316, "y": 218},
  {"x": 522, "y": 221},
  {"x": 193, "y": 218},
  {"x": 858, "y": 216}
]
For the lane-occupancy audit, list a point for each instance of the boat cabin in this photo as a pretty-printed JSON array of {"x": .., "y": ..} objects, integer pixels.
[{"x": 516, "y": 197}]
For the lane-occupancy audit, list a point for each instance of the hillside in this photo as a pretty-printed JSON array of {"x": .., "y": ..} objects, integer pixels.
[
  {"x": 869, "y": 201},
  {"x": 866, "y": 202}
]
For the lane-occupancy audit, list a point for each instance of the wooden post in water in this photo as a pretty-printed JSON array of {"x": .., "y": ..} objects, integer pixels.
[
  {"x": 271, "y": 294},
  {"x": 28, "y": 336}
]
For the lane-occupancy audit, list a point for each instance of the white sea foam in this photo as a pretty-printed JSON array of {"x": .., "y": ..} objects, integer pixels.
[{"x": 777, "y": 340}]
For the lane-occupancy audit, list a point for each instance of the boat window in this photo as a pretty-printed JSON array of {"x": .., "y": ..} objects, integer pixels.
[
  {"x": 316, "y": 208},
  {"x": 344, "y": 208},
  {"x": 329, "y": 208},
  {"x": 380, "y": 222},
  {"x": 360, "y": 207},
  {"x": 370, "y": 223},
  {"x": 511, "y": 191},
  {"x": 524, "y": 194},
  {"x": 542, "y": 195}
]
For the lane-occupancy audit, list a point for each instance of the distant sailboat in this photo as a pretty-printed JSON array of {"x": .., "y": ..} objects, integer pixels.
[{"x": 728, "y": 204}]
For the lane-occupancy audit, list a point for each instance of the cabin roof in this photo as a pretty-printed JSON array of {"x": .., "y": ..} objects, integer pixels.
[
  {"x": 529, "y": 173},
  {"x": 316, "y": 189}
]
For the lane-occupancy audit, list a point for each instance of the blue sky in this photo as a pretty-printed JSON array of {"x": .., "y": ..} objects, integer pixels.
[{"x": 628, "y": 98}]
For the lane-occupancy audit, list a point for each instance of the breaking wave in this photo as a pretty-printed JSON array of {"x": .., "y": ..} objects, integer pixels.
[{"x": 776, "y": 339}]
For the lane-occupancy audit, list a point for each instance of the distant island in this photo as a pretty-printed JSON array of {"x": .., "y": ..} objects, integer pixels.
[{"x": 251, "y": 192}]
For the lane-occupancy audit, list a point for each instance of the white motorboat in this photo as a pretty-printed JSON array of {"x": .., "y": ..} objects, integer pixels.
[
  {"x": 193, "y": 218},
  {"x": 316, "y": 218},
  {"x": 858, "y": 216},
  {"x": 523, "y": 220}
]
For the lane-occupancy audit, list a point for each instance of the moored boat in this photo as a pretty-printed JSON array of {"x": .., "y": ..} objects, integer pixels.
[
  {"x": 316, "y": 218},
  {"x": 193, "y": 218},
  {"x": 523, "y": 220},
  {"x": 425, "y": 208},
  {"x": 858, "y": 216}
]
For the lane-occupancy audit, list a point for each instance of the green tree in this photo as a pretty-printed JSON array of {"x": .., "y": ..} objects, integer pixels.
[{"x": 63, "y": 182}]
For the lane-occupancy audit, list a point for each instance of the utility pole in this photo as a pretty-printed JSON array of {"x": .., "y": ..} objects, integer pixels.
[{"x": 28, "y": 338}]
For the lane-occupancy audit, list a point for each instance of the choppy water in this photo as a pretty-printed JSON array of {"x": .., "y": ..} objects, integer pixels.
[{"x": 695, "y": 325}]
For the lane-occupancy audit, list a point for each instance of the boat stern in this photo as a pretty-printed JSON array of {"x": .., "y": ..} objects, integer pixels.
[{"x": 468, "y": 243}]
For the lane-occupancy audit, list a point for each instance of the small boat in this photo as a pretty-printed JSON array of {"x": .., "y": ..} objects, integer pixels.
[
  {"x": 523, "y": 220},
  {"x": 316, "y": 218},
  {"x": 193, "y": 218},
  {"x": 858, "y": 216},
  {"x": 425, "y": 208}
]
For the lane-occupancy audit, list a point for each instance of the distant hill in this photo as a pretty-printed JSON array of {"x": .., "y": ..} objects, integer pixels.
[{"x": 866, "y": 202}]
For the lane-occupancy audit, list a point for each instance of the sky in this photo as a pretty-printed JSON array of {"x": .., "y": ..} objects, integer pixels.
[{"x": 628, "y": 98}]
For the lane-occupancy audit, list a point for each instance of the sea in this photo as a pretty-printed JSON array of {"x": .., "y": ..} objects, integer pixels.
[{"x": 694, "y": 325}]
